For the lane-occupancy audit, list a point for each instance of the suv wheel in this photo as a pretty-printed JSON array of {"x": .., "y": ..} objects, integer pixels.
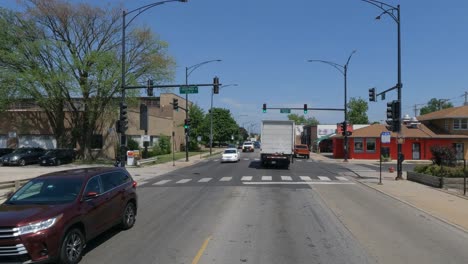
[
  {"x": 58, "y": 162},
  {"x": 72, "y": 247},
  {"x": 129, "y": 216},
  {"x": 22, "y": 162}
]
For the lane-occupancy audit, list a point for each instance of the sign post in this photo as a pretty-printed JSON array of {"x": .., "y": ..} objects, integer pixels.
[{"x": 385, "y": 138}]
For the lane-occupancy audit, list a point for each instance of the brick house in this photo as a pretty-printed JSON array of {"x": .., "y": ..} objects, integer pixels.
[{"x": 25, "y": 124}]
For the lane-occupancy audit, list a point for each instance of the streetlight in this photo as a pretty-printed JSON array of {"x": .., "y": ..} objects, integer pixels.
[
  {"x": 188, "y": 71},
  {"x": 123, "y": 141},
  {"x": 211, "y": 114},
  {"x": 389, "y": 10},
  {"x": 344, "y": 70}
]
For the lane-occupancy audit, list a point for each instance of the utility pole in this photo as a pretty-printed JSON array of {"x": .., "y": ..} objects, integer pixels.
[{"x": 466, "y": 98}]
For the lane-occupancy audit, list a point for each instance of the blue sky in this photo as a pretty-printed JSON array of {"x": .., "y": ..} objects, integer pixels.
[{"x": 264, "y": 46}]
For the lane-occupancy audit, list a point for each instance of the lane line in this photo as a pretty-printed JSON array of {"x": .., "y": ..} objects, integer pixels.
[
  {"x": 299, "y": 183},
  {"x": 201, "y": 250},
  {"x": 323, "y": 178},
  {"x": 184, "y": 181},
  {"x": 161, "y": 182},
  {"x": 224, "y": 179},
  {"x": 286, "y": 178},
  {"x": 305, "y": 178},
  {"x": 342, "y": 178},
  {"x": 246, "y": 178},
  {"x": 266, "y": 178},
  {"x": 205, "y": 179},
  {"x": 246, "y": 159},
  {"x": 256, "y": 159}
]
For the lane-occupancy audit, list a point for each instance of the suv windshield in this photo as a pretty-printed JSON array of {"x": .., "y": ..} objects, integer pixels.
[
  {"x": 48, "y": 191},
  {"x": 229, "y": 151},
  {"x": 20, "y": 151}
]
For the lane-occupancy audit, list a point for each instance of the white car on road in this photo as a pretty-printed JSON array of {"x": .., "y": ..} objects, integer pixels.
[{"x": 230, "y": 155}]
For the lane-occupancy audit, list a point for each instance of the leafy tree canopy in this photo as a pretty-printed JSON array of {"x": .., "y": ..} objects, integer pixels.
[
  {"x": 357, "y": 111},
  {"x": 301, "y": 119},
  {"x": 435, "y": 105}
]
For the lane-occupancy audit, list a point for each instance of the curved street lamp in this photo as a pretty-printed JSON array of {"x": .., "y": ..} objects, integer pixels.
[
  {"x": 188, "y": 71},
  {"x": 389, "y": 10},
  {"x": 211, "y": 113},
  {"x": 343, "y": 69},
  {"x": 123, "y": 141}
]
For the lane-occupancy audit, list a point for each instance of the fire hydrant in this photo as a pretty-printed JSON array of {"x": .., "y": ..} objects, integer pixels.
[{"x": 391, "y": 169}]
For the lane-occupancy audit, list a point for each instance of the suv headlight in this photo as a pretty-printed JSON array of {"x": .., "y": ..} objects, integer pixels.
[
  {"x": 14, "y": 158},
  {"x": 37, "y": 226}
]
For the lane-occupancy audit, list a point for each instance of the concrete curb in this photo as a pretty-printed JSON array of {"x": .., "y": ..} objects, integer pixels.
[{"x": 415, "y": 207}]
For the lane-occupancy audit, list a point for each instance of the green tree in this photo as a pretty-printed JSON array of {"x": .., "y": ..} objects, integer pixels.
[
  {"x": 198, "y": 126},
  {"x": 224, "y": 125},
  {"x": 357, "y": 111},
  {"x": 66, "y": 58},
  {"x": 435, "y": 105},
  {"x": 300, "y": 119}
]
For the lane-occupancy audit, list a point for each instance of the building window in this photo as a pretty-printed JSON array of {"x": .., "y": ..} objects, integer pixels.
[
  {"x": 370, "y": 144},
  {"x": 460, "y": 124},
  {"x": 96, "y": 142},
  {"x": 358, "y": 145},
  {"x": 446, "y": 125}
]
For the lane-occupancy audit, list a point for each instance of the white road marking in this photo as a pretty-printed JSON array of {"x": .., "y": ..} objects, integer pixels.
[
  {"x": 223, "y": 179},
  {"x": 246, "y": 178},
  {"x": 246, "y": 159},
  {"x": 342, "y": 178},
  {"x": 299, "y": 160},
  {"x": 256, "y": 159},
  {"x": 286, "y": 178},
  {"x": 308, "y": 183},
  {"x": 266, "y": 178},
  {"x": 323, "y": 178},
  {"x": 184, "y": 181},
  {"x": 305, "y": 178},
  {"x": 205, "y": 179},
  {"x": 161, "y": 182},
  {"x": 216, "y": 160}
]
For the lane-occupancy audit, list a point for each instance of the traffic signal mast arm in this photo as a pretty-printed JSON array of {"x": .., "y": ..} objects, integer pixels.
[
  {"x": 309, "y": 108},
  {"x": 170, "y": 86}
]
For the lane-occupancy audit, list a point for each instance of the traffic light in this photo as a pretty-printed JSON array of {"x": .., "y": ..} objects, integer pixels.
[
  {"x": 149, "y": 89},
  {"x": 175, "y": 104},
  {"x": 143, "y": 117},
  {"x": 372, "y": 95},
  {"x": 393, "y": 116},
  {"x": 264, "y": 108},
  {"x": 305, "y": 109},
  {"x": 123, "y": 117},
  {"x": 186, "y": 123},
  {"x": 216, "y": 85},
  {"x": 343, "y": 128}
]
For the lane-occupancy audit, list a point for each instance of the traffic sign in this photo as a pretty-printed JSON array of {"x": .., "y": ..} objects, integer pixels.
[
  {"x": 188, "y": 89},
  {"x": 285, "y": 110},
  {"x": 385, "y": 137}
]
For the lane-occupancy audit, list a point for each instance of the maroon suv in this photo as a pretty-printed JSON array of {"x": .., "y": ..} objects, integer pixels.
[{"x": 52, "y": 216}]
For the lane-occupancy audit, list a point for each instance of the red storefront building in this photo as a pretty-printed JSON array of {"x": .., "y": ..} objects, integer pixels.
[{"x": 448, "y": 127}]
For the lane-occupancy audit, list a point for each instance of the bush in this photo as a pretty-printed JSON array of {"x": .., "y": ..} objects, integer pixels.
[
  {"x": 443, "y": 155},
  {"x": 132, "y": 144},
  {"x": 440, "y": 171},
  {"x": 420, "y": 168},
  {"x": 162, "y": 147}
]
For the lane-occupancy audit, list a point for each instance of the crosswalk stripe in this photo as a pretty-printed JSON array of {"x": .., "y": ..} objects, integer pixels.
[
  {"x": 299, "y": 183},
  {"x": 299, "y": 160},
  {"x": 266, "y": 178},
  {"x": 161, "y": 182},
  {"x": 256, "y": 159},
  {"x": 342, "y": 178},
  {"x": 246, "y": 178},
  {"x": 305, "y": 178},
  {"x": 205, "y": 179},
  {"x": 246, "y": 159},
  {"x": 184, "y": 181},
  {"x": 286, "y": 178},
  {"x": 223, "y": 179},
  {"x": 323, "y": 178}
]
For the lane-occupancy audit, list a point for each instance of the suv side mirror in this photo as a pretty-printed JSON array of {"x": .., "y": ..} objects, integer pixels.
[{"x": 90, "y": 195}]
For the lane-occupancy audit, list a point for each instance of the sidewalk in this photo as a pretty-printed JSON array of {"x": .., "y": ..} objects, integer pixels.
[{"x": 447, "y": 207}]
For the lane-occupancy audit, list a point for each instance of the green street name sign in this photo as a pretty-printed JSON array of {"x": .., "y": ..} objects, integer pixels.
[
  {"x": 285, "y": 110},
  {"x": 188, "y": 89}
]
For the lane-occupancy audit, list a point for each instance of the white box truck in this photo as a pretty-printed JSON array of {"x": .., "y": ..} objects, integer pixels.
[{"x": 277, "y": 143}]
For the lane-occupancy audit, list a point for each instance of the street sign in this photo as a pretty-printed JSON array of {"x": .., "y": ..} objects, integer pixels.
[
  {"x": 199, "y": 138},
  {"x": 145, "y": 138},
  {"x": 188, "y": 89},
  {"x": 385, "y": 137},
  {"x": 285, "y": 110}
]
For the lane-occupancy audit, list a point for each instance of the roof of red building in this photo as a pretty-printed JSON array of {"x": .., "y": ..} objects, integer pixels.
[{"x": 453, "y": 112}]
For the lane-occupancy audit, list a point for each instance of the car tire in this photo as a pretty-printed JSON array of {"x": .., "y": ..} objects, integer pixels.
[
  {"x": 22, "y": 162},
  {"x": 73, "y": 243},
  {"x": 58, "y": 162},
  {"x": 128, "y": 216}
]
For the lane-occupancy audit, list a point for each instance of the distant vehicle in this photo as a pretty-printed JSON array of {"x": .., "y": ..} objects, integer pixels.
[
  {"x": 230, "y": 155},
  {"x": 51, "y": 217},
  {"x": 239, "y": 146},
  {"x": 257, "y": 144},
  {"x": 301, "y": 151},
  {"x": 277, "y": 143},
  {"x": 4, "y": 151},
  {"x": 248, "y": 146},
  {"x": 23, "y": 156},
  {"x": 57, "y": 157}
]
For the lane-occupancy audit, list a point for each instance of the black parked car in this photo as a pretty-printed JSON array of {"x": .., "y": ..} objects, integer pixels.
[
  {"x": 4, "y": 151},
  {"x": 57, "y": 157},
  {"x": 23, "y": 156}
]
